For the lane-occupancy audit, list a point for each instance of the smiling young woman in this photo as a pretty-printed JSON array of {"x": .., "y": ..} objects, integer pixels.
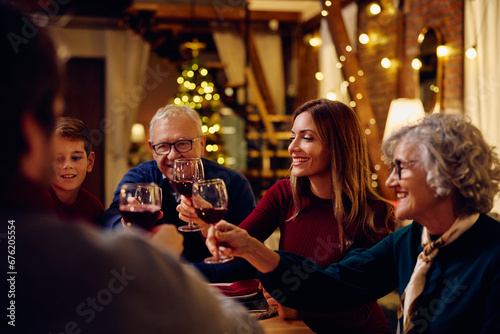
[{"x": 326, "y": 208}]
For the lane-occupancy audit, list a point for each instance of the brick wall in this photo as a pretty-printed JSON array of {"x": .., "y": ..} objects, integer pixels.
[{"x": 394, "y": 34}]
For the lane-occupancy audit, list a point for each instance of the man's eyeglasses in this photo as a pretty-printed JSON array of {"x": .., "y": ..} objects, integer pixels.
[
  {"x": 397, "y": 165},
  {"x": 181, "y": 146}
]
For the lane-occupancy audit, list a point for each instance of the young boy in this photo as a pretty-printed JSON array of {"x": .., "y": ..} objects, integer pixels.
[{"x": 73, "y": 160}]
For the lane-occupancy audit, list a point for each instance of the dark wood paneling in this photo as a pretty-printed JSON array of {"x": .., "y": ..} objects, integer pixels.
[{"x": 85, "y": 101}]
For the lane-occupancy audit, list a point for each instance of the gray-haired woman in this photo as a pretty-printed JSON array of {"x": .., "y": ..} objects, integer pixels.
[{"x": 446, "y": 263}]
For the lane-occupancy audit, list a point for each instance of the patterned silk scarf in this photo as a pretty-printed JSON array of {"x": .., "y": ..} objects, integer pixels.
[{"x": 409, "y": 299}]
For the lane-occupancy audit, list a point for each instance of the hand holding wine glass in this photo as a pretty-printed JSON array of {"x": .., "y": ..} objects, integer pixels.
[
  {"x": 186, "y": 172},
  {"x": 210, "y": 202},
  {"x": 140, "y": 204}
]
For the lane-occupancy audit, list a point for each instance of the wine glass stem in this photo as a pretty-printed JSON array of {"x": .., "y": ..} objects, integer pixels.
[{"x": 217, "y": 255}]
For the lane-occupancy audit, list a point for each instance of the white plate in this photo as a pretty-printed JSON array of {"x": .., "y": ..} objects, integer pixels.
[{"x": 243, "y": 297}]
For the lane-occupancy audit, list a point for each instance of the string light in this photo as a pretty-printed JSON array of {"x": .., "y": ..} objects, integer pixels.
[
  {"x": 315, "y": 41},
  {"x": 324, "y": 13},
  {"x": 364, "y": 38},
  {"x": 328, "y": 3},
  {"x": 471, "y": 53},
  {"x": 416, "y": 64},
  {"x": 331, "y": 96},
  {"x": 374, "y": 8},
  {"x": 442, "y": 51},
  {"x": 386, "y": 62}
]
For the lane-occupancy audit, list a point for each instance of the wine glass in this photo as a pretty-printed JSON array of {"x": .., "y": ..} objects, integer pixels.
[
  {"x": 186, "y": 172},
  {"x": 140, "y": 204},
  {"x": 210, "y": 202}
]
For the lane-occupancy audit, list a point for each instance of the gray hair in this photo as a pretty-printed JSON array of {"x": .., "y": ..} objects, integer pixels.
[
  {"x": 456, "y": 158},
  {"x": 171, "y": 110}
]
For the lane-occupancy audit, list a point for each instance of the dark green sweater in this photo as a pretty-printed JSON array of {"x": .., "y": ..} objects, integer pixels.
[{"x": 461, "y": 295}]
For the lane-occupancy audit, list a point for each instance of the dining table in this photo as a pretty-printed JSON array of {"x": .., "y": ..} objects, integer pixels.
[{"x": 278, "y": 325}]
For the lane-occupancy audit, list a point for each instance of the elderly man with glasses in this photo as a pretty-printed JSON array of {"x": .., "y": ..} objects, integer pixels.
[{"x": 175, "y": 132}]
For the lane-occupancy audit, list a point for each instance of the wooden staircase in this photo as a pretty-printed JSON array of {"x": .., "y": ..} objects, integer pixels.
[{"x": 268, "y": 136}]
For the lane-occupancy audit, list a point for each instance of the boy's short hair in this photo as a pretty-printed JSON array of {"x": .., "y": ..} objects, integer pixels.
[{"x": 74, "y": 129}]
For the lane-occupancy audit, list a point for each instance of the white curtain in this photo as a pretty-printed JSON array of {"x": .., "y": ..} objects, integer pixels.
[
  {"x": 231, "y": 49},
  {"x": 482, "y": 75},
  {"x": 328, "y": 58},
  {"x": 126, "y": 56}
]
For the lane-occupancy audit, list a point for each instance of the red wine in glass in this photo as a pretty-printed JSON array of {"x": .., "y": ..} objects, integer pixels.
[
  {"x": 184, "y": 187},
  {"x": 210, "y": 203},
  {"x": 185, "y": 172},
  {"x": 211, "y": 215},
  {"x": 144, "y": 216},
  {"x": 140, "y": 204}
]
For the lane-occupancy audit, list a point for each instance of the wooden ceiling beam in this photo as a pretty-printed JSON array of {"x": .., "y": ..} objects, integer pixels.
[{"x": 209, "y": 13}]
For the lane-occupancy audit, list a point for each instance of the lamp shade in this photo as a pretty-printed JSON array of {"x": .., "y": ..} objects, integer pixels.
[
  {"x": 403, "y": 112},
  {"x": 137, "y": 134}
]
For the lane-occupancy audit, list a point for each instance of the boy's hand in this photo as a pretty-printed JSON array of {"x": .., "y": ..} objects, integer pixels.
[{"x": 167, "y": 237}]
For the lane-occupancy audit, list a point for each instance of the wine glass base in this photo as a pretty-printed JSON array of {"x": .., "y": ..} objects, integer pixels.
[
  {"x": 216, "y": 260},
  {"x": 189, "y": 228}
]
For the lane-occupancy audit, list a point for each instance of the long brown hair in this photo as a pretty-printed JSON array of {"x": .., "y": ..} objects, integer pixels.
[{"x": 340, "y": 130}]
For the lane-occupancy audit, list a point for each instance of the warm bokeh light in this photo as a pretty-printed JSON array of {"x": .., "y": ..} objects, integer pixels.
[
  {"x": 331, "y": 96},
  {"x": 319, "y": 76},
  {"x": 374, "y": 8},
  {"x": 416, "y": 64},
  {"x": 315, "y": 41},
  {"x": 364, "y": 39},
  {"x": 442, "y": 51},
  {"x": 386, "y": 62},
  {"x": 471, "y": 53}
]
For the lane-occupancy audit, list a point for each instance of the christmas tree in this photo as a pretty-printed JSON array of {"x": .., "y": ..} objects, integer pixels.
[{"x": 197, "y": 90}]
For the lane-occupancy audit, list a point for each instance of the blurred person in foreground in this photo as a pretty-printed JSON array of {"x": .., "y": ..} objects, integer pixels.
[
  {"x": 446, "y": 263},
  {"x": 175, "y": 132},
  {"x": 72, "y": 278}
]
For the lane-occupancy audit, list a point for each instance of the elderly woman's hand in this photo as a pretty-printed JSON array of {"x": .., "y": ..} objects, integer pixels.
[
  {"x": 232, "y": 239},
  {"x": 187, "y": 212},
  {"x": 235, "y": 241}
]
